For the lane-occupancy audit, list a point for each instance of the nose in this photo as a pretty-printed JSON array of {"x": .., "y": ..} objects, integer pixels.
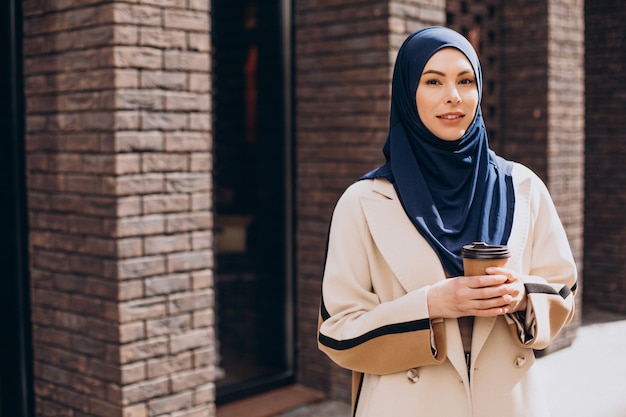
[{"x": 453, "y": 96}]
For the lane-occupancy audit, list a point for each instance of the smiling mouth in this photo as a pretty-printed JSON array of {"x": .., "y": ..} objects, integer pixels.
[{"x": 451, "y": 116}]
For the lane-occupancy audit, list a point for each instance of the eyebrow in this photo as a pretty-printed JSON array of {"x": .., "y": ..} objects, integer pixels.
[{"x": 432, "y": 71}]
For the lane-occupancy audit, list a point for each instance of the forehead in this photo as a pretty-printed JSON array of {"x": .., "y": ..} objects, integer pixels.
[{"x": 448, "y": 58}]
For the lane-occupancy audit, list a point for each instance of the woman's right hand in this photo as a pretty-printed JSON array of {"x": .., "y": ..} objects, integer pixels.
[{"x": 481, "y": 295}]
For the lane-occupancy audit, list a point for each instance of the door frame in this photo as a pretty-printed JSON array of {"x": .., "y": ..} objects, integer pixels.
[{"x": 16, "y": 389}]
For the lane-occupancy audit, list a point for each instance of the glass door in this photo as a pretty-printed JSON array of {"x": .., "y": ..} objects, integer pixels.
[{"x": 251, "y": 196}]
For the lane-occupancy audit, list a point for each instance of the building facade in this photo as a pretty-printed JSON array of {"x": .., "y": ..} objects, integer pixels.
[{"x": 172, "y": 167}]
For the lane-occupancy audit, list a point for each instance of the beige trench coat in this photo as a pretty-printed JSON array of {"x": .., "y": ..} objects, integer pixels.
[{"x": 374, "y": 317}]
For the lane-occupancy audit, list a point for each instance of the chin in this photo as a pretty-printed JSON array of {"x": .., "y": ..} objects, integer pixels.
[{"x": 451, "y": 138}]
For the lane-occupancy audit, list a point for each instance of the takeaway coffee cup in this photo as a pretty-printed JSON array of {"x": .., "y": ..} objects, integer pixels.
[{"x": 479, "y": 256}]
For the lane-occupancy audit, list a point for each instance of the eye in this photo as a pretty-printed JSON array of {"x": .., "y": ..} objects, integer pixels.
[
  {"x": 432, "y": 81},
  {"x": 467, "y": 81}
]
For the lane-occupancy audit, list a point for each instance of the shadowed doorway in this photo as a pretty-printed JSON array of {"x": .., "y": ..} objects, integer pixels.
[{"x": 252, "y": 194}]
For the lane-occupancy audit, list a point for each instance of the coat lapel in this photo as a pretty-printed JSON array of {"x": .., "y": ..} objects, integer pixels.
[
  {"x": 482, "y": 328},
  {"x": 409, "y": 256},
  {"x": 398, "y": 240}
]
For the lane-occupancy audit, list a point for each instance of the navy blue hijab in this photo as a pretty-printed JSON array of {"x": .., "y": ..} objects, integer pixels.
[{"x": 454, "y": 192}]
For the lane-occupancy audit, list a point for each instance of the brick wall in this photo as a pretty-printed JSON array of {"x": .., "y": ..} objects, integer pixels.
[
  {"x": 344, "y": 57},
  {"x": 525, "y": 78},
  {"x": 566, "y": 131},
  {"x": 542, "y": 123},
  {"x": 119, "y": 192},
  {"x": 605, "y": 152},
  {"x": 481, "y": 23},
  {"x": 342, "y": 91}
]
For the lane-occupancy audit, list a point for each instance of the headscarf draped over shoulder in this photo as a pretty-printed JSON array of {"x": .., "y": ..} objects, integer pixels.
[{"x": 454, "y": 192}]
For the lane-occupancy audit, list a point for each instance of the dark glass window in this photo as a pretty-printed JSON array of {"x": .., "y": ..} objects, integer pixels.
[{"x": 251, "y": 170}]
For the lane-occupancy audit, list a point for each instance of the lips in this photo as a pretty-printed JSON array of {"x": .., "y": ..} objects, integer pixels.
[
  {"x": 451, "y": 119},
  {"x": 451, "y": 116}
]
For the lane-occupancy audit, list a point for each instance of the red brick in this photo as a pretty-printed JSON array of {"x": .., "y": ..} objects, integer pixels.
[
  {"x": 132, "y": 332},
  {"x": 168, "y": 365},
  {"x": 186, "y": 380},
  {"x": 200, "y": 122},
  {"x": 168, "y": 284},
  {"x": 168, "y": 325},
  {"x": 162, "y": 38},
  {"x": 139, "y": 141},
  {"x": 190, "y": 340},
  {"x": 186, "y": 61},
  {"x": 152, "y": 183},
  {"x": 187, "y": 142},
  {"x": 169, "y": 403},
  {"x": 188, "y": 222},
  {"x": 198, "y": 300},
  {"x": 168, "y": 80},
  {"x": 145, "y": 15},
  {"x": 137, "y": 57},
  {"x": 165, "y": 121},
  {"x": 145, "y": 390},
  {"x": 128, "y": 206},
  {"x": 205, "y": 394},
  {"x": 125, "y": 164},
  {"x": 141, "y": 267},
  {"x": 136, "y": 410},
  {"x": 139, "y": 226},
  {"x": 201, "y": 202},
  {"x": 131, "y": 290},
  {"x": 186, "y": 101},
  {"x": 133, "y": 372},
  {"x": 203, "y": 318},
  {"x": 163, "y": 162},
  {"x": 166, "y": 203},
  {"x": 186, "y": 19},
  {"x": 189, "y": 261},
  {"x": 167, "y": 244},
  {"x": 202, "y": 279}
]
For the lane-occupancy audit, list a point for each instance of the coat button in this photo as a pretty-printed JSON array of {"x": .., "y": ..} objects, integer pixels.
[
  {"x": 412, "y": 375},
  {"x": 519, "y": 361}
]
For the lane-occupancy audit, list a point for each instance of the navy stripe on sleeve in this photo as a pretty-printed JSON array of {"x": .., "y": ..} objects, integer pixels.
[
  {"x": 410, "y": 326},
  {"x": 547, "y": 289}
]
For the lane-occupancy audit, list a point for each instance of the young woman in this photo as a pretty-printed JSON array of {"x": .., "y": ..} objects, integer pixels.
[{"x": 421, "y": 338}]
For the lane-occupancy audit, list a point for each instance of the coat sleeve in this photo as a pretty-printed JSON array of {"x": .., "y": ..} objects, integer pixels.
[
  {"x": 552, "y": 279},
  {"x": 355, "y": 329}
]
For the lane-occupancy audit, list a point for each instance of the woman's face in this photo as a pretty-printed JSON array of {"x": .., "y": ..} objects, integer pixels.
[{"x": 447, "y": 94}]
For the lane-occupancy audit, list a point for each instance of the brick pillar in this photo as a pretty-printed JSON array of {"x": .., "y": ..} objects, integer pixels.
[
  {"x": 543, "y": 106},
  {"x": 118, "y": 148},
  {"x": 344, "y": 55},
  {"x": 566, "y": 130},
  {"x": 605, "y": 152}
]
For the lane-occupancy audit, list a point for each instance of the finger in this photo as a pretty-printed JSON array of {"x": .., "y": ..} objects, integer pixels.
[
  {"x": 481, "y": 281},
  {"x": 492, "y": 292},
  {"x": 497, "y": 305},
  {"x": 489, "y": 303},
  {"x": 496, "y": 270},
  {"x": 497, "y": 311}
]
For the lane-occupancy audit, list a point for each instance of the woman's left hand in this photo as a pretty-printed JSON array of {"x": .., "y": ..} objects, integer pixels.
[{"x": 516, "y": 287}]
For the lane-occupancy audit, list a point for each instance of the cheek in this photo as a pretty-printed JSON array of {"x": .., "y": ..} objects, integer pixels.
[
  {"x": 472, "y": 102},
  {"x": 423, "y": 102}
]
